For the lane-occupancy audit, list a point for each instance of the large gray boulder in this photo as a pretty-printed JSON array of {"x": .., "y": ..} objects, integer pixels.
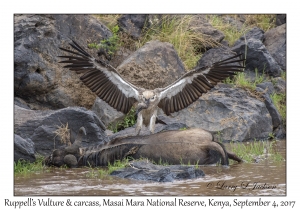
[
  {"x": 200, "y": 24},
  {"x": 214, "y": 55},
  {"x": 280, "y": 85},
  {"x": 154, "y": 65},
  {"x": 23, "y": 149},
  {"x": 237, "y": 22},
  {"x": 230, "y": 113},
  {"x": 255, "y": 33},
  {"x": 268, "y": 87},
  {"x": 276, "y": 118},
  {"x": 38, "y": 77},
  {"x": 258, "y": 57},
  {"x": 105, "y": 112},
  {"x": 147, "y": 171},
  {"x": 280, "y": 19},
  {"x": 132, "y": 24},
  {"x": 275, "y": 42},
  {"x": 40, "y": 127}
]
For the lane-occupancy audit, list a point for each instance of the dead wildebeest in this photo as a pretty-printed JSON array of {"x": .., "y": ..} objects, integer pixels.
[{"x": 192, "y": 146}]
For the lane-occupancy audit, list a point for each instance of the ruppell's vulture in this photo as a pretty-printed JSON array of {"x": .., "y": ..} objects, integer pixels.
[{"x": 108, "y": 84}]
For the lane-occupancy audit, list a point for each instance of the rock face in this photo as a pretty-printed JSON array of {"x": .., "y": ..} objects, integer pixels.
[
  {"x": 144, "y": 170},
  {"x": 267, "y": 86},
  {"x": 23, "y": 149},
  {"x": 40, "y": 127},
  {"x": 275, "y": 42},
  {"x": 238, "y": 23},
  {"x": 280, "y": 85},
  {"x": 280, "y": 19},
  {"x": 255, "y": 33},
  {"x": 152, "y": 65},
  {"x": 105, "y": 112},
  {"x": 258, "y": 57},
  {"x": 132, "y": 24},
  {"x": 230, "y": 113},
  {"x": 276, "y": 118},
  {"x": 199, "y": 24},
  {"x": 214, "y": 55},
  {"x": 38, "y": 77}
]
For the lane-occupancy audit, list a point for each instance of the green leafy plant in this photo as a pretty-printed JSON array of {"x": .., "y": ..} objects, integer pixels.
[
  {"x": 110, "y": 45},
  {"x": 22, "y": 167},
  {"x": 102, "y": 172},
  {"x": 241, "y": 81},
  {"x": 218, "y": 135},
  {"x": 232, "y": 33},
  {"x": 128, "y": 121},
  {"x": 256, "y": 149},
  {"x": 271, "y": 136},
  {"x": 279, "y": 101}
]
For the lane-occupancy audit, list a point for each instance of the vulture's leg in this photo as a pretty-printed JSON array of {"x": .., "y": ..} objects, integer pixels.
[
  {"x": 139, "y": 124},
  {"x": 152, "y": 122}
]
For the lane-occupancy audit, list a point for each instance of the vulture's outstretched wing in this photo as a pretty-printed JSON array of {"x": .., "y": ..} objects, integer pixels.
[
  {"x": 101, "y": 78},
  {"x": 193, "y": 84}
]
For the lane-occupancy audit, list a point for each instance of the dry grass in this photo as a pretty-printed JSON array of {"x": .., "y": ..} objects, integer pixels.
[
  {"x": 63, "y": 132},
  {"x": 263, "y": 21},
  {"x": 110, "y": 20},
  {"x": 177, "y": 30},
  {"x": 232, "y": 33}
]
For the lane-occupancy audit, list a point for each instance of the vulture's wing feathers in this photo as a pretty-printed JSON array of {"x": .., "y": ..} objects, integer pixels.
[
  {"x": 101, "y": 78},
  {"x": 193, "y": 84}
]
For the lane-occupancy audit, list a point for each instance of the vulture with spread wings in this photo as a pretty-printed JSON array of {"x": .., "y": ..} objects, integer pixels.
[{"x": 107, "y": 83}]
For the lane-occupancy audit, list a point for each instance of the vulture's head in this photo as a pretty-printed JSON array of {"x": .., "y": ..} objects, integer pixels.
[{"x": 149, "y": 97}]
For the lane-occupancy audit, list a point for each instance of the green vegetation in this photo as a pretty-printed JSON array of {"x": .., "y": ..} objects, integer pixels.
[
  {"x": 256, "y": 150},
  {"x": 241, "y": 81},
  {"x": 218, "y": 136},
  {"x": 265, "y": 22},
  {"x": 109, "y": 20},
  {"x": 110, "y": 45},
  {"x": 176, "y": 29},
  {"x": 22, "y": 167},
  {"x": 232, "y": 33},
  {"x": 128, "y": 121},
  {"x": 279, "y": 101},
  {"x": 283, "y": 75},
  {"x": 101, "y": 172}
]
